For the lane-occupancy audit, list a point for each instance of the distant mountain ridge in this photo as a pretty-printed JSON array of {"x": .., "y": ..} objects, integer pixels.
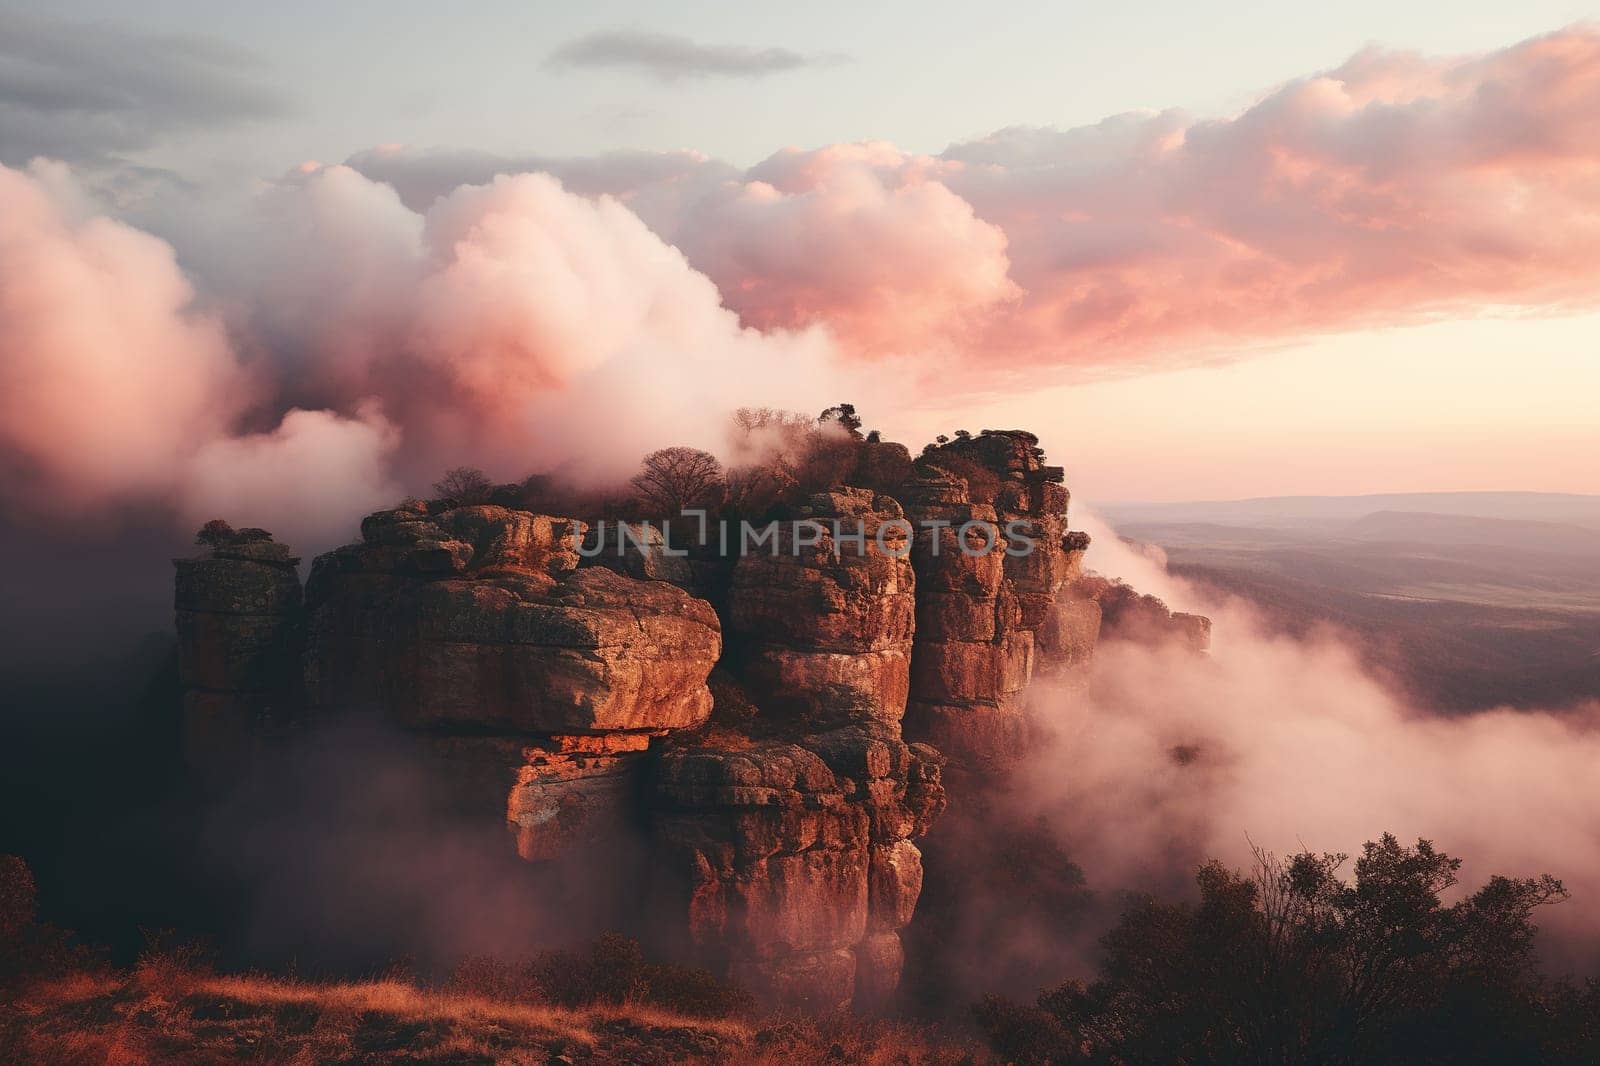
[
  {"x": 1296, "y": 511},
  {"x": 1432, "y": 528},
  {"x": 1471, "y": 600}
]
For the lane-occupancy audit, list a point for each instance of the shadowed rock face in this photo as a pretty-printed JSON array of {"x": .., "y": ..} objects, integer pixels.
[
  {"x": 567, "y": 692},
  {"x": 1129, "y": 615},
  {"x": 240, "y": 625}
]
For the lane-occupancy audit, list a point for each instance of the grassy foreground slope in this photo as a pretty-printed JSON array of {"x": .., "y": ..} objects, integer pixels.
[{"x": 159, "y": 1013}]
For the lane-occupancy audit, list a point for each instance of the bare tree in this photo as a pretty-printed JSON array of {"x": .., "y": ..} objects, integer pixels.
[
  {"x": 465, "y": 485},
  {"x": 673, "y": 479}
]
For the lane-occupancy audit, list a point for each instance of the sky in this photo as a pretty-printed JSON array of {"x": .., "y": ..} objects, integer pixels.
[
  {"x": 923, "y": 75},
  {"x": 1150, "y": 232}
]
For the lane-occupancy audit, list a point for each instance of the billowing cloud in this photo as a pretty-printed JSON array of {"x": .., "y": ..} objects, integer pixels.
[
  {"x": 669, "y": 57},
  {"x": 317, "y": 471},
  {"x": 108, "y": 373},
  {"x": 82, "y": 92},
  {"x": 318, "y": 271},
  {"x": 116, "y": 389},
  {"x": 862, "y": 238},
  {"x": 512, "y": 325},
  {"x": 1391, "y": 189}
]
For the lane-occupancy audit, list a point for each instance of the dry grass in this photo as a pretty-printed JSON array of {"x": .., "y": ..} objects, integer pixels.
[
  {"x": 162, "y": 1013},
  {"x": 157, "y": 1014}
]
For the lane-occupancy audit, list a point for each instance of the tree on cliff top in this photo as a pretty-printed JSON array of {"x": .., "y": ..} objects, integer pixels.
[
  {"x": 466, "y": 485},
  {"x": 679, "y": 478},
  {"x": 843, "y": 415},
  {"x": 215, "y": 533},
  {"x": 780, "y": 457}
]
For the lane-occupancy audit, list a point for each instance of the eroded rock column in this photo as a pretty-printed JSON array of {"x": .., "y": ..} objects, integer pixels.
[
  {"x": 792, "y": 855},
  {"x": 240, "y": 626}
]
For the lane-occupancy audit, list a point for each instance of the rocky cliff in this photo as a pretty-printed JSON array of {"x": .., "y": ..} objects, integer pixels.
[
  {"x": 240, "y": 630},
  {"x": 773, "y": 724}
]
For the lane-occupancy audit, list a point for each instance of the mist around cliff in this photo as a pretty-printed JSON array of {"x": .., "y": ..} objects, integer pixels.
[
  {"x": 352, "y": 858},
  {"x": 1168, "y": 759}
]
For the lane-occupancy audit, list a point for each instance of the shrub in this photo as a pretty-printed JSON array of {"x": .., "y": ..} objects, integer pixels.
[
  {"x": 488, "y": 977},
  {"x": 694, "y": 991},
  {"x": 19, "y": 898},
  {"x": 1294, "y": 963},
  {"x": 170, "y": 965},
  {"x": 610, "y": 970},
  {"x": 215, "y": 534},
  {"x": 1023, "y": 1034},
  {"x": 843, "y": 416}
]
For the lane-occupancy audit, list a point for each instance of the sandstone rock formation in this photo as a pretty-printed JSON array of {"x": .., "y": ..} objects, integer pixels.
[
  {"x": 788, "y": 845},
  {"x": 476, "y": 626},
  {"x": 239, "y": 627},
  {"x": 823, "y": 624},
  {"x": 986, "y": 611},
  {"x": 792, "y": 861},
  {"x": 1131, "y": 615},
  {"x": 734, "y": 716}
]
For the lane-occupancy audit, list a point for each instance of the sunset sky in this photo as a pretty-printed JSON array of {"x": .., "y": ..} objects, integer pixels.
[{"x": 1205, "y": 252}]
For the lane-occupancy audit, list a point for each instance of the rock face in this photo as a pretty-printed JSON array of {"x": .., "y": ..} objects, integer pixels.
[
  {"x": 512, "y": 652},
  {"x": 476, "y": 626},
  {"x": 639, "y": 550},
  {"x": 793, "y": 861},
  {"x": 1130, "y": 615},
  {"x": 732, "y": 718},
  {"x": 824, "y": 624},
  {"x": 992, "y": 556},
  {"x": 789, "y": 849},
  {"x": 240, "y": 625}
]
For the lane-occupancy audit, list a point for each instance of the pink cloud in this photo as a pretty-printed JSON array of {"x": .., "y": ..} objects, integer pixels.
[
  {"x": 107, "y": 371},
  {"x": 512, "y": 325},
  {"x": 1390, "y": 189},
  {"x": 860, "y": 237},
  {"x": 308, "y": 479}
]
